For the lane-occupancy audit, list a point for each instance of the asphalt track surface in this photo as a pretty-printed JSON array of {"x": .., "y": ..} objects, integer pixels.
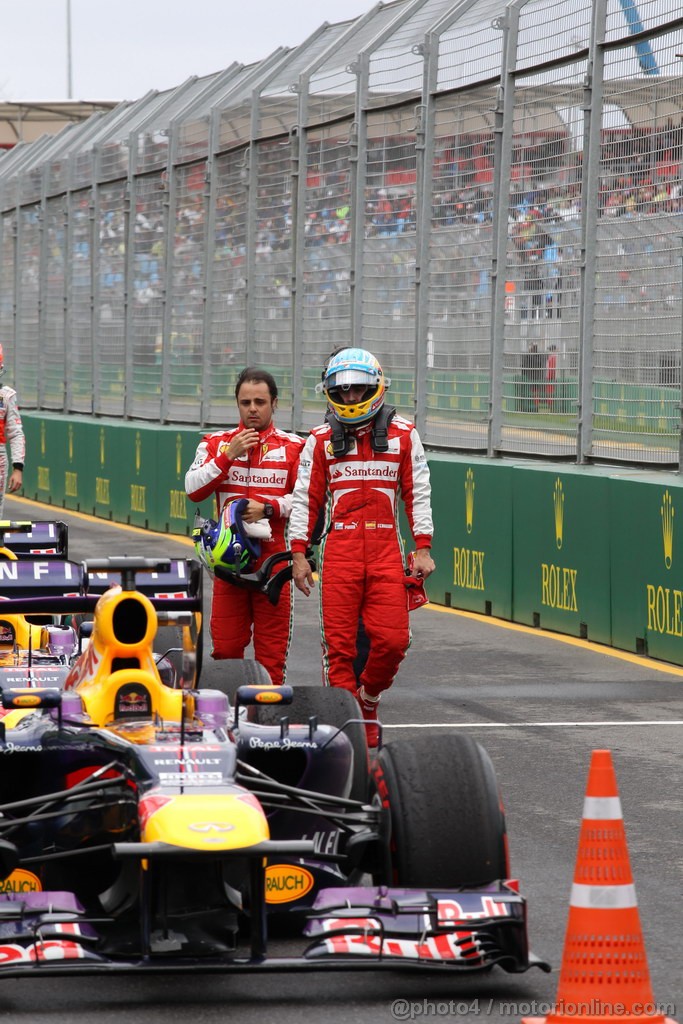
[{"x": 539, "y": 703}]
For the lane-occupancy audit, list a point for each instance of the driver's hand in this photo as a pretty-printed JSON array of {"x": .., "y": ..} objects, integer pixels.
[
  {"x": 423, "y": 563},
  {"x": 15, "y": 481},
  {"x": 242, "y": 443},
  {"x": 253, "y": 512},
  {"x": 302, "y": 574}
]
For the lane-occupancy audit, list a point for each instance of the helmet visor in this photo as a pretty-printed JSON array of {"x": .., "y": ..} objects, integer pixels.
[{"x": 348, "y": 378}]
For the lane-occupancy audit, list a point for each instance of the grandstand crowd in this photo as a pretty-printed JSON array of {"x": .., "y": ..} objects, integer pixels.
[{"x": 640, "y": 178}]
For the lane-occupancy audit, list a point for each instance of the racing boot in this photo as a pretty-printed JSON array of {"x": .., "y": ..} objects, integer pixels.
[{"x": 368, "y": 706}]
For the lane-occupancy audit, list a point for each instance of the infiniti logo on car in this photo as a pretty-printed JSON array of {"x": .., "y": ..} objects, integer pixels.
[{"x": 211, "y": 826}]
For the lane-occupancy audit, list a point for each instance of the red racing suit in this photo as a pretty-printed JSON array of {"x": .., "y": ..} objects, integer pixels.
[
  {"x": 361, "y": 554},
  {"x": 10, "y": 430},
  {"x": 267, "y": 474}
]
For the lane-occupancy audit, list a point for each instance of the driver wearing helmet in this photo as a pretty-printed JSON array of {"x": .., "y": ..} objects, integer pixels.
[
  {"x": 12, "y": 431},
  {"x": 258, "y": 462},
  {"x": 356, "y": 465}
]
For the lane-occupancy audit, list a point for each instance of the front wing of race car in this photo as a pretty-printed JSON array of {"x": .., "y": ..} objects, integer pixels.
[
  {"x": 46, "y": 933},
  {"x": 467, "y": 929}
]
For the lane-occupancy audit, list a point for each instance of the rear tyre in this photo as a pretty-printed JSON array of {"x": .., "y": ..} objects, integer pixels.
[
  {"x": 334, "y": 707},
  {"x": 447, "y": 819},
  {"x": 232, "y": 673}
]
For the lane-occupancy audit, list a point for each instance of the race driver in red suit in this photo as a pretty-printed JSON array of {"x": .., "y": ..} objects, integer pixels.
[
  {"x": 359, "y": 462},
  {"x": 257, "y": 461}
]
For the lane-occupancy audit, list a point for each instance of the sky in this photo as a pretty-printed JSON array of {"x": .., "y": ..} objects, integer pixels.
[{"x": 120, "y": 49}]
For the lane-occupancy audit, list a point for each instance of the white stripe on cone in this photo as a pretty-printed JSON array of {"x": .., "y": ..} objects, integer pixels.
[
  {"x": 612, "y": 897},
  {"x": 602, "y": 808}
]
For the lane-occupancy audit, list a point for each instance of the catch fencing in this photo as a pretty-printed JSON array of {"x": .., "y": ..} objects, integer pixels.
[{"x": 488, "y": 197}]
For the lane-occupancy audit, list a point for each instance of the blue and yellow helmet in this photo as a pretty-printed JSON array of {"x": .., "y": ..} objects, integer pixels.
[
  {"x": 348, "y": 368},
  {"x": 225, "y": 544}
]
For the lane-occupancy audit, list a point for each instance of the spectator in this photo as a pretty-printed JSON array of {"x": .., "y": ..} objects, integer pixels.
[
  {"x": 12, "y": 431},
  {"x": 533, "y": 366},
  {"x": 257, "y": 461},
  {"x": 550, "y": 375},
  {"x": 359, "y": 461}
]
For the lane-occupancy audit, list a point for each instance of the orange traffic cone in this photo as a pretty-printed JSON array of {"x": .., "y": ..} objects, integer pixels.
[{"x": 604, "y": 975}]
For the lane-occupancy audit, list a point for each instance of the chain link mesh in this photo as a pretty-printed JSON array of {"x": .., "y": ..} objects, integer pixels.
[{"x": 488, "y": 196}]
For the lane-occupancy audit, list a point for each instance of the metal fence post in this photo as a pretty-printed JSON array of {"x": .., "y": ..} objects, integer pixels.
[
  {"x": 42, "y": 277},
  {"x": 357, "y": 160},
  {"x": 298, "y": 139},
  {"x": 249, "y": 177},
  {"x": 424, "y": 184},
  {"x": 129, "y": 277},
  {"x": 504, "y": 123},
  {"x": 593, "y": 94},
  {"x": 94, "y": 222},
  {"x": 211, "y": 189},
  {"x": 167, "y": 299}
]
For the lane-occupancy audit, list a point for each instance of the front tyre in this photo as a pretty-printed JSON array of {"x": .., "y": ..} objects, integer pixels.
[{"x": 447, "y": 819}]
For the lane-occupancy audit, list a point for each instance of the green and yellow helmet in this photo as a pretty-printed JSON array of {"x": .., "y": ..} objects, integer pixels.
[{"x": 225, "y": 544}]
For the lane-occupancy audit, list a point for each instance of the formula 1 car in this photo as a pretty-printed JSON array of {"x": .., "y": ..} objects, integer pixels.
[
  {"x": 38, "y": 648},
  {"x": 40, "y": 641},
  {"x": 146, "y": 826},
  {"x": 33, "y": 539}
]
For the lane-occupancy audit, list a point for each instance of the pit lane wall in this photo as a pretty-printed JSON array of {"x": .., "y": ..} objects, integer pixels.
[{"x": 592, "y": 552}]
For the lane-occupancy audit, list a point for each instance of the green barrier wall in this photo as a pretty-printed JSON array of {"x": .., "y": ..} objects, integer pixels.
[
  {"x": 472, "y": 507},
  {"x": 129, "y": 473},
  {"x": 586, "y": 551},
  {"x": 561, "y": 551},
  {"x": 647, "y": 564}
]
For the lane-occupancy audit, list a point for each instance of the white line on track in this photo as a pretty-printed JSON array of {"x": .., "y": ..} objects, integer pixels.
[{"x": 518, "y": 725}]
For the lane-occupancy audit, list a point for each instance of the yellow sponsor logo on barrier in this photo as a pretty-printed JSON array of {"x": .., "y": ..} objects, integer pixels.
[
  {"x": 71, "y": 484},
  {"x": 664, "y": 610},
  {"x": 558, "y": 587},
  {"x": 138, "y": 498},
  {"x": 668, "y": 512},
  {"x": 178, "y": 504},
  {"x": 102, "y": 491},
  {"x": 469, "y": 499},
  {"x": 468, "y": 569}
]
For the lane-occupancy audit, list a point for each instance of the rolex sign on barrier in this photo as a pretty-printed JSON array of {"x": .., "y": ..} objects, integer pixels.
[
  {"x": 647, "y": 564},
  {"x": 561, "y": 550},
  {"x": 472, "y": 508}
]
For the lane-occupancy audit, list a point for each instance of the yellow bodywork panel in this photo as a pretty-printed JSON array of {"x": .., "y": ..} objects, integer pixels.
[{"x": 207, "y": 822}]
